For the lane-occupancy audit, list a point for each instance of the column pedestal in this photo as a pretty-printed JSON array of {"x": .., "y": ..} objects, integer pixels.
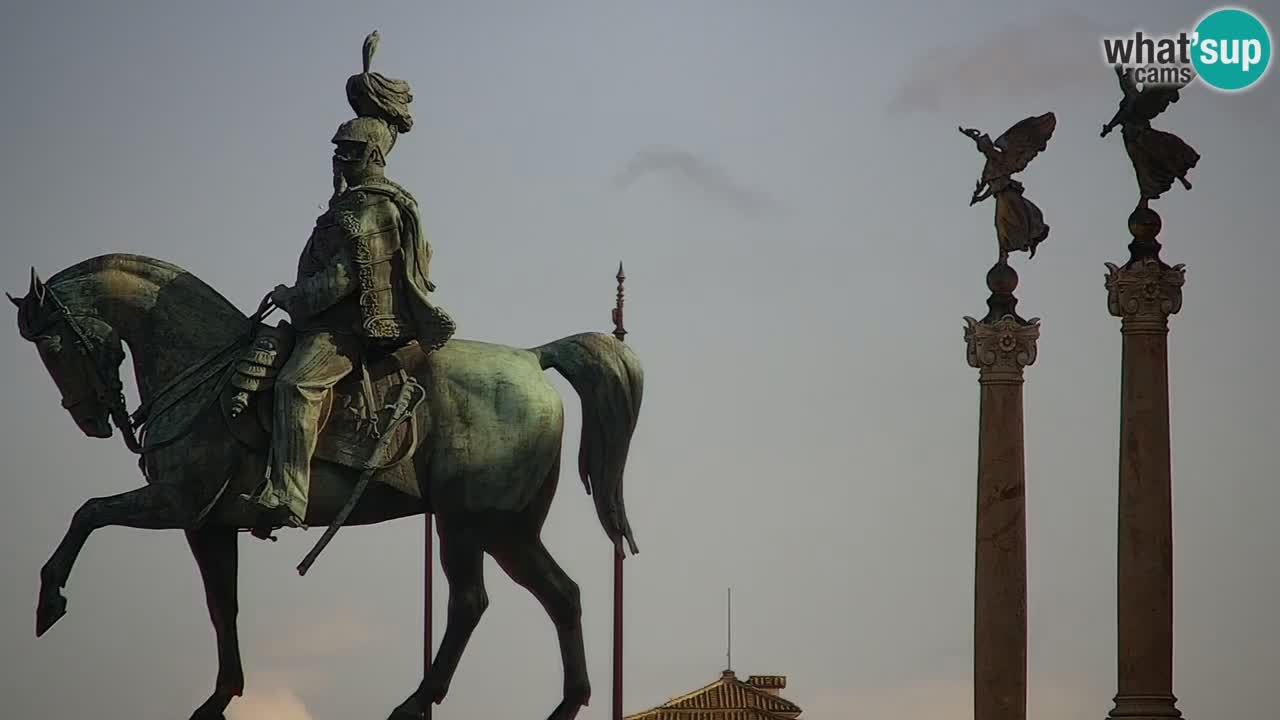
[
  {"x": 1000, "y": 346},
  {"x": 1143, "y": 294}
]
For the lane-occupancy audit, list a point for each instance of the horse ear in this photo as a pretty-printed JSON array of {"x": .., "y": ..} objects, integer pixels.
[{"x": 37, "y": 287}]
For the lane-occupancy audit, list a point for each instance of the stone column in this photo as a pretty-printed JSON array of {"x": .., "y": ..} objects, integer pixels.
[
  {"x": 1000, "y": 346},
  {"x": 1143, "y": 294}
]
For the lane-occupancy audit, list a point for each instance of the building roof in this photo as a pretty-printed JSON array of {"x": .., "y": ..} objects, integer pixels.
[{"x": 728, "y": 698}]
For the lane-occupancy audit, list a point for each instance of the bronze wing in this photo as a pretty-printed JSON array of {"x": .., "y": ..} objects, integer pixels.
[
  {"x": 1145, "y": 104},
  {"x": 1153, "y": 100},
  {"x": 1020, "y": 143},
  {"x": 1127, "y": 86}
]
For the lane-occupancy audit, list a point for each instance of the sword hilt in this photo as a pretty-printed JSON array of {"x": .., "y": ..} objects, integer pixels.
[{"x": 401, "y": 406}]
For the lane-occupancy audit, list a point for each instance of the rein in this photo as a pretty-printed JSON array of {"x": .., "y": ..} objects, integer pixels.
[{"x": 111, "y": 393}]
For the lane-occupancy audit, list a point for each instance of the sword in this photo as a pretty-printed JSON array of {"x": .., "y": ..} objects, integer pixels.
[{"x": 403, "y": 407}]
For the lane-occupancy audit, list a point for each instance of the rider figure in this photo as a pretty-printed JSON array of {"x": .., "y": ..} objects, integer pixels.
[{"x": 362, "y": 284}]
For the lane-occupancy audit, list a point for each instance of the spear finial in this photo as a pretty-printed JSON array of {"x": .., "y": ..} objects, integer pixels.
[{"x": 619, "y": 331}]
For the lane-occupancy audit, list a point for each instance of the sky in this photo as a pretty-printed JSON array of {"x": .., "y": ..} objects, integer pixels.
[{"x": 786, "y": 186}]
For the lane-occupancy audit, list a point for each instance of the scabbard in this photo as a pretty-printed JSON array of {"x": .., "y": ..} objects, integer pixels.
[{"x": 403, "y": 411}]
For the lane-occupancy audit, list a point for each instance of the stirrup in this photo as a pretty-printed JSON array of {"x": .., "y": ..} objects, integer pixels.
[{"x": 264, "y": 533}]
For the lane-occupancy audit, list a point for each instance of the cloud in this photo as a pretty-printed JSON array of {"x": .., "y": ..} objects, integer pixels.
[
  {"x": 1047, "y": 55},
  {"x": 276, "y": 704},
  {"x": 698, "y": 172},
  {"x": 341, "y": 632}
]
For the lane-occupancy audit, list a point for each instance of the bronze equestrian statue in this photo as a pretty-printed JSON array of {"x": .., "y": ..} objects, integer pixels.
[{"x": 227, "y": 400}]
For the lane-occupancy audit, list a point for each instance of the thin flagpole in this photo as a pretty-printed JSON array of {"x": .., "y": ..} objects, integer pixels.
[
  {"x": 426, "y": 613},
  {"x": 620, "y": 332}
]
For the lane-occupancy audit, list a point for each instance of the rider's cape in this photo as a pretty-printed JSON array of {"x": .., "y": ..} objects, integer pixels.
[
  {"x": 430, "y": 325},
  {"x": 366, "y": 270}
]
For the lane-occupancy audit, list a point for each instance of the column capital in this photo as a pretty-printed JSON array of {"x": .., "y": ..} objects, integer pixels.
[
  {"x": 1000, "y": 349},
  {"x": 1144, "y": 293}
]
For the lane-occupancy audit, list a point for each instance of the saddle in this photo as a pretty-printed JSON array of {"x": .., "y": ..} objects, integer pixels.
[{"x": 354, "y": 413}]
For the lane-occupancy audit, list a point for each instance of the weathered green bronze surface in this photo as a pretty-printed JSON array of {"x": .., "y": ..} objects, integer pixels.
[{"x": 481, "y": 452}]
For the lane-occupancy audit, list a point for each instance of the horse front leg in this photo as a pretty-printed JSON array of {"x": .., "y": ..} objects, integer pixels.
[
  {"x": 153, "y": 507},
  {"x": 216, "y": 553}
]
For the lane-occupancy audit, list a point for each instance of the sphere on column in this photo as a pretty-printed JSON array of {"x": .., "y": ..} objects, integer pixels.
[
  {"x": 1144, "y": 224},
  {"x": 1002, "y": 279}
]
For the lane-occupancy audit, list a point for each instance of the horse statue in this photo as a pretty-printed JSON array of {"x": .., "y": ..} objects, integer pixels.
[{"x": 481, "y": 452}]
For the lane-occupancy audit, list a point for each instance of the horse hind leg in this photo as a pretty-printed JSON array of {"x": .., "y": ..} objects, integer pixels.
[
  {"x": 527, "y": 561},
  {"x": 462, "y": 559},
  {"x": 216, "y": 554}
]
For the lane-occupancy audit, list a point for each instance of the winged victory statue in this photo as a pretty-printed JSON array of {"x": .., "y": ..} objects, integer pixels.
[
  {"x": 1020, "y": 225},
  {"x": 1158, "y": 157}
]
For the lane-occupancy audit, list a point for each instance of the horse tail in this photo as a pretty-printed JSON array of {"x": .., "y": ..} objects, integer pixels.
[{"x": 607, "y": 377}]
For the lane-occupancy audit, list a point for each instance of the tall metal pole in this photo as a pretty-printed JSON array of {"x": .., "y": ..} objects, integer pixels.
[
  {"x": 728, "y": 655},
  {"x": 428, "y": 566},
  {"x": 620, "y": 332}
]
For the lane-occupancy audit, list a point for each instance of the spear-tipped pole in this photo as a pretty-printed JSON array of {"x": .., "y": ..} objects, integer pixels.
[
  {"x": 428, "y": 570},
  {"x": 620, "y": 332},
  {"x": 428, "y": 578}
]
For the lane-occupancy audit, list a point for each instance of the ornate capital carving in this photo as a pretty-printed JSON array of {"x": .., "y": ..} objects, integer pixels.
[
  {"x": 1144, "y": 293},
  {"x": 1001, "y": 349}
]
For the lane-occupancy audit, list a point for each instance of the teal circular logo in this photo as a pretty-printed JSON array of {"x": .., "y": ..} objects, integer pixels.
[{"x": 1231, "y": 49}]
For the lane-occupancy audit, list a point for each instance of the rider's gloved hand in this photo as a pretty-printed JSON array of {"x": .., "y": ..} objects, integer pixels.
[{"x": 282, "y": 296}]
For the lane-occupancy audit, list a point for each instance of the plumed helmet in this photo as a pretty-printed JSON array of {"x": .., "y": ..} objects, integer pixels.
[{"x": 381, "y": 105}]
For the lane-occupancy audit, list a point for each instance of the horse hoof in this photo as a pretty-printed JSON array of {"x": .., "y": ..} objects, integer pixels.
[{"x": 50, "y": 610}]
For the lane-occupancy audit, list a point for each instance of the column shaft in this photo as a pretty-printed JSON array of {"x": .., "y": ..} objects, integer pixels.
[
  {"x": 1144, "y": 294},
  {"x": 1000, "y": 570},
  {"x": 1000, "y": 346}
]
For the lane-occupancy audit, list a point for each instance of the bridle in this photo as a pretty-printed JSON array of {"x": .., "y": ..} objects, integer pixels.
[{"x": 106, "y": 386}]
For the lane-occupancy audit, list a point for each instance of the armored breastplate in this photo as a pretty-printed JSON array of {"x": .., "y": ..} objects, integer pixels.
[
  {"x": 323, "y": 270},
  {"x": 367, "y": 222}
]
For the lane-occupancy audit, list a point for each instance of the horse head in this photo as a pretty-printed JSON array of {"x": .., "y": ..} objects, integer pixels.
[{"x": 81, "y": 353}]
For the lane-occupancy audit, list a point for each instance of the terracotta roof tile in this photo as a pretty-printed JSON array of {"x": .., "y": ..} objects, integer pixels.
[{"x": 728, "y": 698}]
